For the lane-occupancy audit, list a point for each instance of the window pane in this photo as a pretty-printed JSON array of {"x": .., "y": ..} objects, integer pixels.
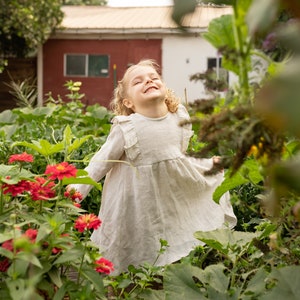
[
  {"x": 98, "y": 66},
  {"x": 75, "y": 64}
]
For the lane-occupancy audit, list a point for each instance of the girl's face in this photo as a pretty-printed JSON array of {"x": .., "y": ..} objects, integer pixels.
[{"x": 143, "y": 88}]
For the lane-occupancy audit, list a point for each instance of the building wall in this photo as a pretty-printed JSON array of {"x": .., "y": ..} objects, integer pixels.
[
  {"x": 182, "y": 57},
  {"x": 97, "y": 90}
]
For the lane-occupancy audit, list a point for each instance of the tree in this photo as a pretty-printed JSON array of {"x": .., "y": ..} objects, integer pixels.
[
  {"x": 26, "y": 24},
  {"x": 84, "y": 2}
]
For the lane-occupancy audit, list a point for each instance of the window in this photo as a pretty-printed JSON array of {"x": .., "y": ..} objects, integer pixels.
[
  {"x": 219, "y": 74},
  {"x": 86, "y": 65}
]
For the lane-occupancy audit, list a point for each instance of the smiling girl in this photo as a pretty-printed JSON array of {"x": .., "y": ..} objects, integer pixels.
[{"x": 159, "y": 192}]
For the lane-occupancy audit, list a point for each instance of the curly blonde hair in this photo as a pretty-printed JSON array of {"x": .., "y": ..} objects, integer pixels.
[{"x": 117, "y": 105}]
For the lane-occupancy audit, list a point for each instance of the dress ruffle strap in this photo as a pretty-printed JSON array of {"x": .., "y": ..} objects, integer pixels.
[
  {"x": 131, "y": 142},
  {"x": 187, "y": 127}
]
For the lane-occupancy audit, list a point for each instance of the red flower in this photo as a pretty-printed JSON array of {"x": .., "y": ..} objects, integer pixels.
[
  {"x": 60, "y": 171},
  {"x": 8, "y": 245},
  {"x": 76, "y": 204},
  {"x": 87, "y": 221},
  {"x": 4, "y": 265},
  {"x": 16, "y": 189},
  {"x": 31, "y": 234},
  {"x": 73, "y": 195},
  {"x": 104, "y": 266},
  {"x": 41, "y": 189},
  {"x": 20, "y": 157}
]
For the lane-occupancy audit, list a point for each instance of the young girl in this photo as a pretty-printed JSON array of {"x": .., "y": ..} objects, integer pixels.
[{"x": 154, "y": 191}]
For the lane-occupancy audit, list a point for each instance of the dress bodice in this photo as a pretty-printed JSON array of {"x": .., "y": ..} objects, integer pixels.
[{"x": 151, "y": 140}]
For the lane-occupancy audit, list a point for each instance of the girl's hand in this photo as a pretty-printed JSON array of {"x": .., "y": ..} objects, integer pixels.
[{"x": 217, "y": 163}]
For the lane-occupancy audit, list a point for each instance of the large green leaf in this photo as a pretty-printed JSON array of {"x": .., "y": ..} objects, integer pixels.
[
  {"x": 220, "y": 32},
  {"x": 249, "y": 172},
  {"x": 287, "y": 286},
  {"x": 222, "y": 239},
  {"x": 7, "y": 117},
  {"x": 8, "y": 130},
  {"x": 150, "y": 294},
  {"x": 14, "y": 174},
  {"x": 256, "y": 285},
  {"x": 42, "y": 146},
  {"x": 221, "y": 35},
  {"x": 179, "y": 283}
]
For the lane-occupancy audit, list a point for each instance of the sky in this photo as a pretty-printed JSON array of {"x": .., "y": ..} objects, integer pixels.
[{"x": 139, "y": 2}]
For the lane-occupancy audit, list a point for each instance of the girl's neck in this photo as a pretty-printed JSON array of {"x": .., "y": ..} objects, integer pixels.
[{"x": 154, "y": 111}]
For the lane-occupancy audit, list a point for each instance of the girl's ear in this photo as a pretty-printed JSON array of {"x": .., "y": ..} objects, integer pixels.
[{"x": 128, "y": 103}]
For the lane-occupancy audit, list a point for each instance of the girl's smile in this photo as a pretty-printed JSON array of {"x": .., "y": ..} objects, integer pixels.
[{"x": 145, "y": 92}]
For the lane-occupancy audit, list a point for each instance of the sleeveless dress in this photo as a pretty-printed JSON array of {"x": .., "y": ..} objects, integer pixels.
[{"x": 153, "y": 192}]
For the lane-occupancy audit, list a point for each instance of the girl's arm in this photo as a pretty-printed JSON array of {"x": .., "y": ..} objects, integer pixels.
[{"x": 102, "y": 161}]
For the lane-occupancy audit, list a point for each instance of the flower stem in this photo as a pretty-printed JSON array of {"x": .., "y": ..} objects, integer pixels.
[{"x": 82, "y": 258}]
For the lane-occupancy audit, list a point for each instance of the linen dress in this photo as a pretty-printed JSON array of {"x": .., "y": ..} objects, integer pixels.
[{"x": 154, "y": 192}]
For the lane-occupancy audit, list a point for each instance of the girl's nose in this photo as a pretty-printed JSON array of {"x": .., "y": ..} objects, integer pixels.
[{"x": 148, "y": 80}]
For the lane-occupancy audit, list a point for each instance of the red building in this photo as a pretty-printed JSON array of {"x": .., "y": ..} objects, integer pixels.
[
  {"x": 95, "y": 45},
  {"x": 114, "y": 57}
]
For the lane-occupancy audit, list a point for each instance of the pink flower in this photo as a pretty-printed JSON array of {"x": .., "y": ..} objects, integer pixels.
[
  {"x": 60, "y": 171},
  {"x": 20, "y": 157},
  {"x": 104, "y": 266},
  {"x": 16, "y": 189},
  {"x": 73, "y": 195},
  {"x": 41, "y": 189},
  {"x": 87, "y": 221}
]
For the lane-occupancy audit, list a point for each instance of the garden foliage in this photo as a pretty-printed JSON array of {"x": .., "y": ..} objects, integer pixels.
[{"x": 253, "y": 125}]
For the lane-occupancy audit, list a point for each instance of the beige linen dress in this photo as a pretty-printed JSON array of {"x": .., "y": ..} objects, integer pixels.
[{"x": 157, "y": 192}]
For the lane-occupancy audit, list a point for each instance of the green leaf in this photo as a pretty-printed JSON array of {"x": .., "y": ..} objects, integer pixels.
[
  {"x": 29, "y": 257},
  {"x": 77, "y": 143},
  {"x": 59, "y": 295},
  {"x": 94, "y": 277},
  {"x": 287, "y": 287},
  {"x": 182, "y": 8},
  {"x": 42, "y": 146},
  {"x": 82, "y": 178},
  {"x": 14, "y": 173},
  {"x": 6, "y": 253},
  {"x": 67, "y": 135},
  {"x": 179, "y": 283},
  {"x": 249, "y": 172},
  {"x": 69, "y": 256},
  {"x": 256, "y": 285},
  {"x": 8, "y": 130},
  {"x": 150, "y": 294},
  {"x": 7, "y": 117},
  {"x": 16, "y": 288},
  {"x": 220, "y": 32},
  {"x": 220, "y": 35},
  {"x": 221, "y": 239},
  {"x": 215, "y": 279},
  {"x": 54, "y": 274}
]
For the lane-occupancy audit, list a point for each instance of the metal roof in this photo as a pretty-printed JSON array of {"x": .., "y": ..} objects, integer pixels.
[{"x": 105, "y": 19}]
